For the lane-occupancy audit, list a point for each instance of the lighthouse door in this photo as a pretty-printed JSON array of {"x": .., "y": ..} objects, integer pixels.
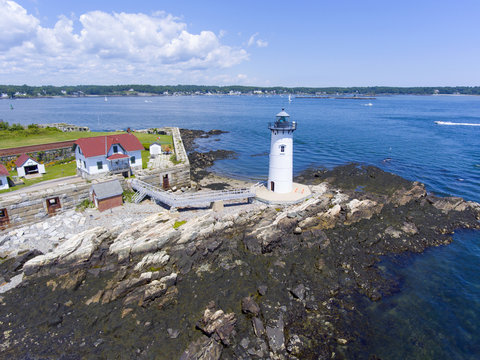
[{"x": 272, "y": 186}]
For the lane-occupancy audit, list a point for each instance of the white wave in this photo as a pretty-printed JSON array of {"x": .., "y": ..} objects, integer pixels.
[{"x": 454, "y": 123}]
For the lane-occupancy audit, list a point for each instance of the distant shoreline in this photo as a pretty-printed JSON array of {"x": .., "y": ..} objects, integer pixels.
[
  {"x": 25, "y": 91},
  {"x": 257, "y": 95}
]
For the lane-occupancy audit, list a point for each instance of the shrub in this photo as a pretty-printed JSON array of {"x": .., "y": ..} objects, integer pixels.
[
  {"x": 64, "y": 161},
  {"x": 87, "y": 203},
  {"x": 127, "y": 195},
  {"x": 16, "y": 127},
  {"x": 173, "y": 159},
  {"x": 33, "y": 129},
  {"x": 10, "y": 165},
  {"x": 178, "y": 224},
  {"x": 146, "y": 146}
]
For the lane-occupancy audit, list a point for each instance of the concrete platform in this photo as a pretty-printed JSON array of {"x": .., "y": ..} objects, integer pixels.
[{"x": 299, "y": 193}]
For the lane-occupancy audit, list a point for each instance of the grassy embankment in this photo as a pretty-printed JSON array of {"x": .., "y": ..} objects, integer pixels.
[
  {"x": 10, "y": 139},
  {"x": 36, "y": 136}
]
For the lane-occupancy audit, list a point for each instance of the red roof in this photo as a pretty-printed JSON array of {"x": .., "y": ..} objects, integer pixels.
[
  {"x": 22, "y": 159},
  {"x": 95, "y": 146},
  {"x": 117, "y": 156},
  {"x": 3, "y": 170}
]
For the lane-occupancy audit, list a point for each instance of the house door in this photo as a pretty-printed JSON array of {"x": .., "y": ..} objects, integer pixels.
[
  {"x": 32, "y": 169},
  {"x": 272, "y": 186},
  {"x": 165, "y": 184}
]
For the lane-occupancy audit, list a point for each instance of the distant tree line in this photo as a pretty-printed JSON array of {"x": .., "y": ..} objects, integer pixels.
[{"x": 103, "y": 90}]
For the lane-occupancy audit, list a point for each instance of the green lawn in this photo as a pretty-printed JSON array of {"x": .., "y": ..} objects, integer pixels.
[
  {"x": 52, "y": 172},
  {"x": 165, "y": 140},
  {"x": 10, "y": 139},
  {"x": 145, "y": 158},
  {"x": 13, "y": 139},
  {"x": 144, "y": 138}
]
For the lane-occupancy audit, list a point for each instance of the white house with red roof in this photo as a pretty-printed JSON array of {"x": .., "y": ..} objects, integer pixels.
[
  {"x": 111, "y": 154},
  {"x": 3, "y": 177},
  {"x": 28, "y": 166}
]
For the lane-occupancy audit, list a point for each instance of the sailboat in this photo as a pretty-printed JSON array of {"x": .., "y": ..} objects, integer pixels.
[
  {"x": 289, "y": 98},
  {"x": 106, "y": 98}
]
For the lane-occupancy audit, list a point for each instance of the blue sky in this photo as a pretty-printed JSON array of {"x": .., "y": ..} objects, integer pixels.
[{"x": 263, "y": 43}]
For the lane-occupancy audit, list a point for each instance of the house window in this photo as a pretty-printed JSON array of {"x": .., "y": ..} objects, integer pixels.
[
  {"x": 99, "y": 165},
  {"x": 115, "y": 148},
  {"x": 282, "y": 148},
  {"x": 84, "y": 164},
  {"x": 1, "y": 182},
  {"x": 132, "y": 159}
]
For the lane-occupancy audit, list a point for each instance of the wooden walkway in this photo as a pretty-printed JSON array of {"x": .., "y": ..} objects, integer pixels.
[{"x": 179, "y": 200}]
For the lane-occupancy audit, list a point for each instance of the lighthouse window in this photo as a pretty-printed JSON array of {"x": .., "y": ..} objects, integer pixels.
[{"x": 282, "y": 148}]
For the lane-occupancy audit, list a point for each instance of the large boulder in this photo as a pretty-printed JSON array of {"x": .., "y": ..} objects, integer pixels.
[
  {"x": 217, "y": 324},
  {"x": 71, "y": 254}
]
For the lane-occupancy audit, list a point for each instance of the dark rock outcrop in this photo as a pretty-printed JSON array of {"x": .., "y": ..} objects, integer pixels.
[{"x": 147, "y": 292}]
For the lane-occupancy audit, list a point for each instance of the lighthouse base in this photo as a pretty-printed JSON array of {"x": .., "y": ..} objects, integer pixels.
[{"x": 299, "y": 193}]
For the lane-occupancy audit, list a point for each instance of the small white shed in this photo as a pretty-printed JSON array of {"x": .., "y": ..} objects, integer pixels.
[
  {"x": 155, "y": 148},
  {"x": 26, "y": 166}
]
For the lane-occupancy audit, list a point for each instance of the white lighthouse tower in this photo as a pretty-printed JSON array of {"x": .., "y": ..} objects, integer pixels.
[{"x": 280, "y": 171}]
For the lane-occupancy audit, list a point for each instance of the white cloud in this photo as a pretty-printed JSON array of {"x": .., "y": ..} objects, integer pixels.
[
  {"x": 258, "y": 42},
  {"x": 261, "y": 43},
  {"x": 16, "y": 25},
  {"x": 251, "y": 41},
  {"x": 120, "y": 46}
]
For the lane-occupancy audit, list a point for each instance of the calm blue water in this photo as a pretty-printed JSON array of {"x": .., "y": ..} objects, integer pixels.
[{"x": 437, "y": 312}]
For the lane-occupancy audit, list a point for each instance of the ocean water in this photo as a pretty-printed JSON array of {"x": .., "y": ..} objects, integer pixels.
[{"x": 436, "y": 313}]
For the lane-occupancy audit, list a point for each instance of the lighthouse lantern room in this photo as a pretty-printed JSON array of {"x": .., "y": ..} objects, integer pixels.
[{"x": 280, "y": 172}]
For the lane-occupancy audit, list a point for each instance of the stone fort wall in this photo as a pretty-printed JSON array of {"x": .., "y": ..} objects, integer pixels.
[{"x": 31, "y": 207}]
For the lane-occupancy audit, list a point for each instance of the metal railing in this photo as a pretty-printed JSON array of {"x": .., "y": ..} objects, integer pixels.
[
  {"x": 117, "y": 168},
  {"x": 283, "y": 125},
  {"x": 177, "y": 200}
]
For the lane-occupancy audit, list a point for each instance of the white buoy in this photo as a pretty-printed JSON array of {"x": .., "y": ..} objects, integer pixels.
[{"x": 280, "y": 171}]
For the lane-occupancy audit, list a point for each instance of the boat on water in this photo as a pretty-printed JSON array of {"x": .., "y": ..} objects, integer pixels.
[
  {"x": 455, "y": 123},
  {"x": 11, "y": 107},
  {"x": 369, "y": 104},
  {"x": 289, "y": 98},
  {"x": 106, "y": 98}
]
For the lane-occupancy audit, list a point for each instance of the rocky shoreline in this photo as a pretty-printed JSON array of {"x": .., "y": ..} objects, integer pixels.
[{"x": 249, "y": 282}]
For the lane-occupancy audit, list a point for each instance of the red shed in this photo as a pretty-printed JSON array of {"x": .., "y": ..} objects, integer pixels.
[{"x": 107, "y": 195}]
